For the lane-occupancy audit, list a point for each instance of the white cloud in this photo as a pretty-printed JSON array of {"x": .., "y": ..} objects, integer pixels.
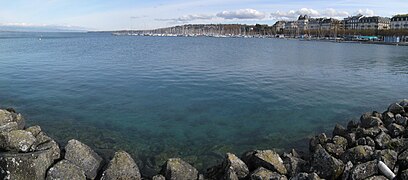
[
  {"x": 188, "y": 18},
  {"x": 330, "y": 12},
  {"x": 242, "y": 14},
  {"x": 365, "y": 12}
]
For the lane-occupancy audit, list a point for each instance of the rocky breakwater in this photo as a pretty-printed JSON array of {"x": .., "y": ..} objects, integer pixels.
[{"x": 376, "y": 147}]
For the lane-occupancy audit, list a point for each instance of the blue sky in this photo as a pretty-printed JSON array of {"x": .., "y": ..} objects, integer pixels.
[{"x": 137, "y": 14}]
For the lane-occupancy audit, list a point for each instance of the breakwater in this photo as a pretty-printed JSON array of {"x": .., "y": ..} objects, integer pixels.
[{"x": 360, "y": 150}]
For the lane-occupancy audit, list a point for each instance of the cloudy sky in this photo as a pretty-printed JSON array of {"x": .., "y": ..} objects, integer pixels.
[{"x": 142, "y": 14}]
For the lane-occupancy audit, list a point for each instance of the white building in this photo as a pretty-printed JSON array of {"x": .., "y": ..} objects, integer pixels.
[{"x": 399, "y": 22}]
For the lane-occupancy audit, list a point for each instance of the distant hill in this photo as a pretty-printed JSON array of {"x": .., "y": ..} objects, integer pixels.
[{"x": 40, "y": 28}]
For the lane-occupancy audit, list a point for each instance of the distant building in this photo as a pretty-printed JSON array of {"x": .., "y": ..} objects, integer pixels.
[
  {"x": 302, "y": 22},
  {"x": 279, "y": 26},
  {"x": 352, "y": 22},
  {"x": 374, "y": 23},
  {"x": 330, "y": 24},
  {"x": 399, "y": 21}
]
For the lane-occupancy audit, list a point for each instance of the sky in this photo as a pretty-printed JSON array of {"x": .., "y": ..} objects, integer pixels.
[{"x": 137, "y": 14}]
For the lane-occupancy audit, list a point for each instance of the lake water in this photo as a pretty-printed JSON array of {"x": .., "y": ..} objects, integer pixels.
[{"x": 195, "y": 98}]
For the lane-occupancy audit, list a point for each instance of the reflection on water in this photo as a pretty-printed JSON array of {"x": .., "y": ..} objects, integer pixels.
[{"x": 196, "y": 98}]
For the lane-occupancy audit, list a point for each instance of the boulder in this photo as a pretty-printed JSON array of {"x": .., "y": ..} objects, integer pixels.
[
  {"x": 404, "y": 103},
  {"x": 388, "y": 118},
  {"x": 294, "y": 164},
  {"x": 177, "y": 169},
  {"x": 25, "y": 166},
  {"x": 319, "y": 139},
  {"x": 158, "y": 177},
  {"x": 230, "y": 174},
  {"x": 34, "y": 130},
  {"x": 325, "y": 165},
  {"x": 403, "y": 160},
  {"x": 231, "y": 162},
  {"x": 377, "y": 178},
  {"x": 401, "y": 120},
  {"x": 339, "y": 130},
  {"x": 64, "y": 169},
  {"x": 16, "y": 140},
  {"x": 367, "y": 120},
  {"x": 351, "y": 139},
  {"x": 403, "y": 175},
  {"x": 358, "y": 154},
  {"x": 122, "y": 166},
  {"x": 264, "y": 158},
  {"x": 364, "y": 170},
  {"x": 382, "y": 140},
  {"x": 388, "y": 156},
  {"x": 262, "y": 174},
  {"x": 84, "y": 157},
  {"x": 395, "y": 108},
  {"x": 305, "y": 176},
  {"x": 8, "y": 127},
  {"x": 398, "y": 144},
  {"x": 395, "y": 130},
  {"x": 352, "y": 125},
  {"x": 347, "y": 171},
  {"x": 370, "y": 132},
  {"x": 7, "y": 117}
]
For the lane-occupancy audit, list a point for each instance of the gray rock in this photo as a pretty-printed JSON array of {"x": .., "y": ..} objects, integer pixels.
[
  {"x": 395, "y": 108},
  {"x": 294, "y": 164},
  {"x": 35, "y": 130},
  {"x": 403, "y": 160},
  {"x": 339, "y": 130},
  {"x": 158, "y": 177},
  {"x": 53, "y": 146},
  {"x": 401, "y": 120},
  {"x": 17, "y": 140},
  {"x": 370, "y": 132},
  {"x": 7, "y": 117},
  {"x": 367, "y": 120},
  {"x": 84, "y": 157},
  {"x": 364, "y": 170},
  {"x": 404, "y": 175},
  {"x": 358, "y": 154},
  {"x": 25, "y": 166},
  {"x": 351, "y": 139},
  {"x": 365, "y": 141},
  {"x": 122, "y": 166},
  {"x": 398, "y": 144},
  {"x": 8, "y": 127},
  {"x": 230, "y": 174},
  {"x": 265, "y": 158},
  {"x": 236, "y": 164},
  {"x": 352, "y": 125},
  {"x": 177, "y": 169},
  {"x": 388, "y": 118},
  {"x": 347, "y": 171},
  {"x": 404, "y": 103},
  {"x": 395, "y": 130},
  {"x": 262, "y": 174},
  {"x": 382, "y": 140},
  {"x": 65, "y": 170},
  {"x": 377, "y": 178},
  {"x": 305, "y": 176},
  {"x": 319, "y": 139},
  {"x": 325, "y": 165},
  {"x": 388, "y": 156}
]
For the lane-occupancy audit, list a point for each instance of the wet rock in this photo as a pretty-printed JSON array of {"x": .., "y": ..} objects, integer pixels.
[
  {"x": 84, "y": 157},
  {"x": 122, "y": 166},
  {"x": 325, "y": 165},
  {"x": 352, "y": 125},
  {"x": 230, "y": 162},
  {"x": 367, "y": 120},
  {"x": 65, "y": 170},
  {"x": 395, "y": 108},
  {"x": 9, "y": 127},
  {"x": 177, "y": 169},
  {"x": 262, "y": 174},
  {"x": 293, "y": 164},
  {"x": 389, "y": 157},
  {"x": 401, "y": 120},
  {"x": 358, "y": 154},
  {"x": 382, "y": 140},
  {"x": 388, "y": 118},
  {"x": 7, "y": 117},
  {"x": 339, "y": 130},
  {"x": 316, "y": 140},
  {"x": 230, "y": 175},
  {"x": 395, "y": 130},
  {"x": 265, "y": 158},
  {"x": 17, "y": 140},
  {"x": 25, "y": 166},
  {"x": 158, "y": 177},
  {"x": 404, "y": 103},
  {"x": 34, "y": 130},
  {"x": 347, "y": 171},
  {"x": 364, "y": 170}
]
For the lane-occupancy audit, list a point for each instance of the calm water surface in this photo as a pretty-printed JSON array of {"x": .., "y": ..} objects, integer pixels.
[{"x": 196, "y": 98}]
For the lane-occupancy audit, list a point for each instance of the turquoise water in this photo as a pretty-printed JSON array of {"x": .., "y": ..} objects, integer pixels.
[{"x": 196, "y": 98}]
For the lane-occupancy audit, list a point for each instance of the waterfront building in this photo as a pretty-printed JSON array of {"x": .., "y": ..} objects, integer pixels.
[
  {"x": 399, "y": 21},
  {"x": 279, "y": 26},
  {"x": 330, "y": 24},
  {"x": 352, "y": 22},
  {"x": 314, "y": 24},
  {"x": 303, "y": 22},
  {"x": 374, "y": 23}
]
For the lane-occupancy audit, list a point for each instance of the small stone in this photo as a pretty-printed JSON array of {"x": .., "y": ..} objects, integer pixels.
[
  {"x": 262, "y": 174},
  {"x": 65, "y": 170},
  {"x": 395, "y": 130},
  {"x": 122, "y": 166},
  {"x": 175, "y": 169},
  {"x": 265, "y": 158},
  {"x": 17, "y": 140},
  {"x": 364, "y": 170},
  {"x": 382, "y": 140},
  {"x": 84, "y": 157},
  {"x": 325, "y": 165},
  {"x": 358, "y": 154},
  {"x": 395, "y": 108}
]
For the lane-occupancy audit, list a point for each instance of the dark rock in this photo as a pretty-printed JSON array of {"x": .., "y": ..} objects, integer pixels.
[
  {"x": 177, "y": 169},
  {"x": 158, "y": 177},
  {"x": 34, "y": 130},
  {"x": 9, "y": 127},
  {"x": 338, "y": 146},
  {"x": 65, "y": 170},
  {"x": 265, "y": 158},
  {"x": 294, "y": 164},
  {"x": 364, "y": 170},
  {"x": 17, "y": 141},
  {"x": 352, "y": 125},
  {"x": 395, "y": 108},
  {"x": 316, "y": 140},
  {"x": 401, "y": 120},
  {"x": 398, "y": 144},
  {"x": 377, "y": 178},
  {"x": 262, "y": 174},
  {"x": 370, "y": 142},
  {"x": 404, "y": 175},
  {"x": 84, "y": 157},
  {"x": 230, "y": 162},
  {"x": 122, "y": 166},
  {"x": 7, "y": 117},
  {"x": 370, "y": 132},
  {"x": 230, "y": 174},
  {"x": 358, "y": 154},
  {"x": 25, "y": 166},
  {"x": 339, "y": 130},
  {"x": 367, "y": 120},
  {"x": 403, "y": 160},
  {"x": 389, "y": 157},
  {"x": 404, "y": 103},
  {"x": 395, "y": 130},
  {"x": 347, "y": 171},
  {"x": 388, "y": 118},
  {"x": 305, "y": 176},
  {"x": 325, "y": 165},
  {"x": 365, "y": 141},
  {"x": 382, "y": 140},
  {"x": 351, "y": 139}
]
